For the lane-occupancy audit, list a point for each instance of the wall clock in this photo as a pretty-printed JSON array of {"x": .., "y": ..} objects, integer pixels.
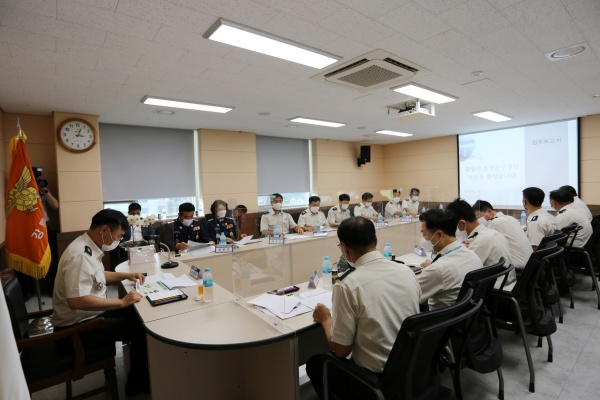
[{"x": 77, "y": 135}]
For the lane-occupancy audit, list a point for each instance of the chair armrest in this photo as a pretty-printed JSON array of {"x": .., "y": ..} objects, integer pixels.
[
  {"x": 61, "y": 334},
  {"x": 365, "y": 376},
  {"x": 38, "y": 314}
]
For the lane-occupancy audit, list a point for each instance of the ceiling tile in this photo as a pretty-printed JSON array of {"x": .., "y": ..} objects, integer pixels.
[
  {"x": 106, "y": 4},
  {"x": 172, "y": 36},
  {"x": 161, "y": 64},
  {"x": 128, "y": 44},
  {"x": 356, "y": 26},
  {"x": 504, "y": 41},
  {"x": 312, "y": 11},
  {"x": 68, "y": 49},
  {"x": 202, "y": 61},
  {"x": 452, "y": 44},
  {"x": 415, "y": 22},
  {"x": 374, "y": 8},
  {"x": 500, "y": 4},
  {"x": 28, "y": 39},
  {"x": 474, "y": 18},
  {"x": 585, "y": 13},
  {"x": 46, "y": 8},
  {"x": 347, "y": 48},
  {"x": 300, "y": 31},
  {"x": 440, "y": 6},
  {"x": 245, "y": 12}
]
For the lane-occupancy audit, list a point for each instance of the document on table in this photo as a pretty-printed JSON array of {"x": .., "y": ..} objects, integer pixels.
[
  {"x": 163, "y": 282},
  {"x": 201, "y": 250},
  {"x": 292, "y": 236},
  {"x": 313, "y": 297},
  {"x": 281, "y": 306},
  {"x": 243, "y": 241}
]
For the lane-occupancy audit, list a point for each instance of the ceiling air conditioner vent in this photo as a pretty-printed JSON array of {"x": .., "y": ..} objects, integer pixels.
[{"x": 372, "y": 70}]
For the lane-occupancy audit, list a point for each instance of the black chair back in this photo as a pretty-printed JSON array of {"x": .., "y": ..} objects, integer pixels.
[
  {"x": 411, "y": 370},
  {"x": 557, "y": 236},
  {"x": 571, "y": 231},
  {"x": 16, "y": 308}
]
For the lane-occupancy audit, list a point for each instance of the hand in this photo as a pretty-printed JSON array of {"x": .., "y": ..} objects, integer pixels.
[
  {"x": 425, "y": 263},
  {"x": 181, "y": 246},
  {"x": 309, "y": 228},
  {"x": 230, "y": 240},
  {"x": 299, "y": 230},
  {"x": 130, "y": 298},
  {"x": 321, "y": 313},
  {"x": 136, "y": 276},
  {"x": 243, "y": 235}
]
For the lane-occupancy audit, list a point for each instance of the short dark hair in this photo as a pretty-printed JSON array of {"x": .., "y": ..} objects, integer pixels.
[
  {"x": 570, "y": 189},
  {"x": 276, "y": 195},
  {"x": 415, "y": 190},
  {"x": 367, "y": 195},
  {"x": 241, "y": 207},
  {"x": 113, "y": 218},
  {"x": 186, "y": 207},
  {"x": 357, "y": 233},
  {"x": 462, "y": 210},
  {"x": 344, "y": 197},
  {"x": 534, "y": 196},
  {"x": 312, "y": 199},
  {"x": 436, "y": 219},
  {"x": 395, "y": 191},
  {"x": 561, "y": 196},
  {"x": 215, "y": 204},
  {"x": 134, "y": 207},
  {"x": 482, "y": 205}
]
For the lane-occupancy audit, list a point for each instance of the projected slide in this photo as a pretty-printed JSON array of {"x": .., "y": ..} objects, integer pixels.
[{"x": 497, "y": 165}]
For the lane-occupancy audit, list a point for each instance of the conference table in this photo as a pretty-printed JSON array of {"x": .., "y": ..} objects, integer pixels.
[{"x": 228, "y": 349}]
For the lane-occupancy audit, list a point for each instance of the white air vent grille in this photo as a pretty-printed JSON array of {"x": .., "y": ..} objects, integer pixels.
[{"x": 372, "y": 70}]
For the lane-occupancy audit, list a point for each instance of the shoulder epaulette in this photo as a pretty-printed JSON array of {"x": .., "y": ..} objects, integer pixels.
[
  {"x": 473, "y": 235},
  {"x": 346, "y": 273},
  {"x": 88, "y": 250},
  {"x": 562, "y": 211},
  {"x": 534, "y": 218},
  {"x": 303, "y": 212}
]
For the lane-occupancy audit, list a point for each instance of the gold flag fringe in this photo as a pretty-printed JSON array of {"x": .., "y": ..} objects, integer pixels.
[{"x": 28, "y": 267}]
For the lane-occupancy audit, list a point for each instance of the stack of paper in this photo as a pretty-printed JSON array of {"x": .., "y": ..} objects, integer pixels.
[
  {"x": 314, "y": 297},
  {"x": 280, "y": 306}
]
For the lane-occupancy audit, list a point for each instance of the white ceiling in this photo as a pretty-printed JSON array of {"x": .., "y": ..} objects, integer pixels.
[{"x": 102, "y": 56}]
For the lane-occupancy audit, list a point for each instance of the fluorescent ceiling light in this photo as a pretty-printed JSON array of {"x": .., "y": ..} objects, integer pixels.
[
  {"x": 423, "y": 93},
  {"x": 303, "y": 120},
  {"x": 252, "y": 39},
  {"x": 157, "y": 101},
  {"x": 492, "y": 116},
  {"x": 393, "y": 133}
]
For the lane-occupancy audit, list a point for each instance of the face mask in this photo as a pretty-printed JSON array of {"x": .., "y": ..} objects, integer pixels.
[
  {"x": 396, "y": 200},
  {"x": 110, "y": 247},
  {"x": 368, "y": 204},
  {"x": 345, "y": 206},
  {"x": 415, "y": 198},
  {"x": 221, "y": 214},
  {"x": 433, "y": 244},
  {"x": 482, "y": 220},
  {"x": 187, "y": 222},
  {"x": 350, "y": 263},
  {"x": 314, "y": 210}
]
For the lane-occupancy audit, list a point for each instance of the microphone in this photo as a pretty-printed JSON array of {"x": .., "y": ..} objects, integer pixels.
[{"x": 170, "y": 263}]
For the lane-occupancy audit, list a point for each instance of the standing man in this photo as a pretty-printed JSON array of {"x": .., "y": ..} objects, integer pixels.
[
  {"x": 48, "y": 202},
  {"x": 239, "y": 213},
  {"x": 539, "y": 222},
  {"x": 578, "y": 203},
  {"x": 276, "y": 217},
  {"x": 339, "y": 212},
  {"x": 185, "y": 228},
  {"x": 365, "y": 208},
  {"x": 370, "y": 302},
  {"x": 411, "y": 204},
  {"x": 393, "y": 209},
  {"x": 313, "y": 216},
  {"x": 562, "y": 201},
  {"x": 80, "y": 294},
  {"x": 139, "y": 232}
]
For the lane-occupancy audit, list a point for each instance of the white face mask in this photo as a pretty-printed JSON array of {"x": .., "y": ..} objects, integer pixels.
[
  {"x": 110, "y": 247},
  {"x": 187, "y": 222},
  {"x": 344, "y": 206},
  {"x": 433, "y": 244},
  {"x": 368, "y": 204},
  {"x": 415, "y": 198},
  {"x": 221, "y": 213},
  {"x": 314, "y": 210},
  {"x": 350, "y": 263},
  {"x": 396, "y": 200},
  {"x": 276, "y": 206}
]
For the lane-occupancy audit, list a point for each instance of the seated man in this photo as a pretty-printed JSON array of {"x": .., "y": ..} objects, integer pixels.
[
  {"x": 488, "y": 244},
  {"x": 276, "y": 217},
  {"x": 369, "y": 304},
  {"x": 442, "y": 278},
  {"x": 562, "y": 201},
  {"x": 135, "y": 233},
  {"x": 393, "y": 209},
  {"x": 578, "y": 203},
  {"x": 510, "y": 228},
  {"x": 80, "y": 294},
  {"x": 539, "y": 222},
  {"x": 186, "y": 228},
  {"x": 312, "y": 217},
  {"x": 340, "y": 212},
  {"x": 239, "y": 213},
  {"x": 411, "y": 204},
  {"x": 365, "y": 209}
]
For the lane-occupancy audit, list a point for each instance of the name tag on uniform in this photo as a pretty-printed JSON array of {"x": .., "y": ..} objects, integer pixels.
[
  {"x": 224, "y": 248},
  {"x": 420, "y": 251},
  {"x": 276, "y": 240},
  {"x": 405, "y": 219},
  {"x": 381, "y": 224},
  {"x": 319, "y": 234}
]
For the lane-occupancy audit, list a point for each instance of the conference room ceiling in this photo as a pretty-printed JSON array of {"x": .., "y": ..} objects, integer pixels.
[{"x": 102, "y": 57}]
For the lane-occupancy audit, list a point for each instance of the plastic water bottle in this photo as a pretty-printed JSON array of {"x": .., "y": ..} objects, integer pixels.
[
  {"x": 207, "y": 280},
  {"x": 387, "y": 251},
  {"x": 441, "y": 206},
  {"x": 403, "y": 213},
  {"x": 423, "y": 210},
  {"x": 380, "y": 218},
  {"x": 276, "y": 231},
  {"x": 327, "y": 272},
  {"x": 523, "y": 218},
  {"x": 318, "y": 227},
  {"x": 222, "y": 239}
]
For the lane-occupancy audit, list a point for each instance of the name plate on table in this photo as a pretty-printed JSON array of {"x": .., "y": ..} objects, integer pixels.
[
  {"x": 418, "y": 250},
  {"x": 319, "y": 234},
  {"x": 276, "y": 240},
  {"x": 142, "y": 254},
  {"x": 224, "y": 248},
  {"x": 405, "y": 219},
  {"x": 195, "y": 272},
  {"x": 381, "y": 224}
]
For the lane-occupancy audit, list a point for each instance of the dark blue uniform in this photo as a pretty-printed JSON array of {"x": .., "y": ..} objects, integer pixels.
[
  {"x": 195, "y": 232},
  {"x": 215, "y": 226}
]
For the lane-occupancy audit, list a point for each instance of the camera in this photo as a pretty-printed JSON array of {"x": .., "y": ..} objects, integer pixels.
[{"x": 37, "y": 172}]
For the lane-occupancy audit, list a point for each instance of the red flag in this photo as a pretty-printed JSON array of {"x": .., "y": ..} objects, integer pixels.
[{"x": 26, "y": 242}]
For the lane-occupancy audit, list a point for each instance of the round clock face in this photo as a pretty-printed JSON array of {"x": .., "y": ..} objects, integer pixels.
[{"x": 77, "y": 135}]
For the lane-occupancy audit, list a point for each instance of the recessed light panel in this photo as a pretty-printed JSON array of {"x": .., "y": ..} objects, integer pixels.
[
  {"x": 492, "y": 116},
  {"x": 310, "y": 121},
  {"x": 566, "y": 52},
  {"x": 252, "y": 39},
  {"x": 393, "y": 133},
  {"x": 423, "y": 93},
  {"x": 156, "y": 101}
]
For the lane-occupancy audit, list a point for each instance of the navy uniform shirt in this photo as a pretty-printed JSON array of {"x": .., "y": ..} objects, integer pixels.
[
  {"x": 215, "y": 226},
  {"x": 195, "y": 232}
]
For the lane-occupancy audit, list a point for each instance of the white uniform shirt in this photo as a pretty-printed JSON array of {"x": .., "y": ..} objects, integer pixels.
[
  {"x": 337, "y": 215},
  {"x": 309, "y": 219},
  {"x": 581, "y": 206},
  {"x": 283, "y": 220},
  {"x": 569, "y": 214},
  {"x": 518, "y": 244},
  {"x": 490, "y": 245},
  {"x": 441, "y": 280},
  {"x": 539, "y": 224},
  {"x": 80, "y": 273},
  {"x": 362, "y": 211},
  {"x": 391, "y": 209},
  {"x": 369, "y": 305},
  {"x": 411, "y": 206}
]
